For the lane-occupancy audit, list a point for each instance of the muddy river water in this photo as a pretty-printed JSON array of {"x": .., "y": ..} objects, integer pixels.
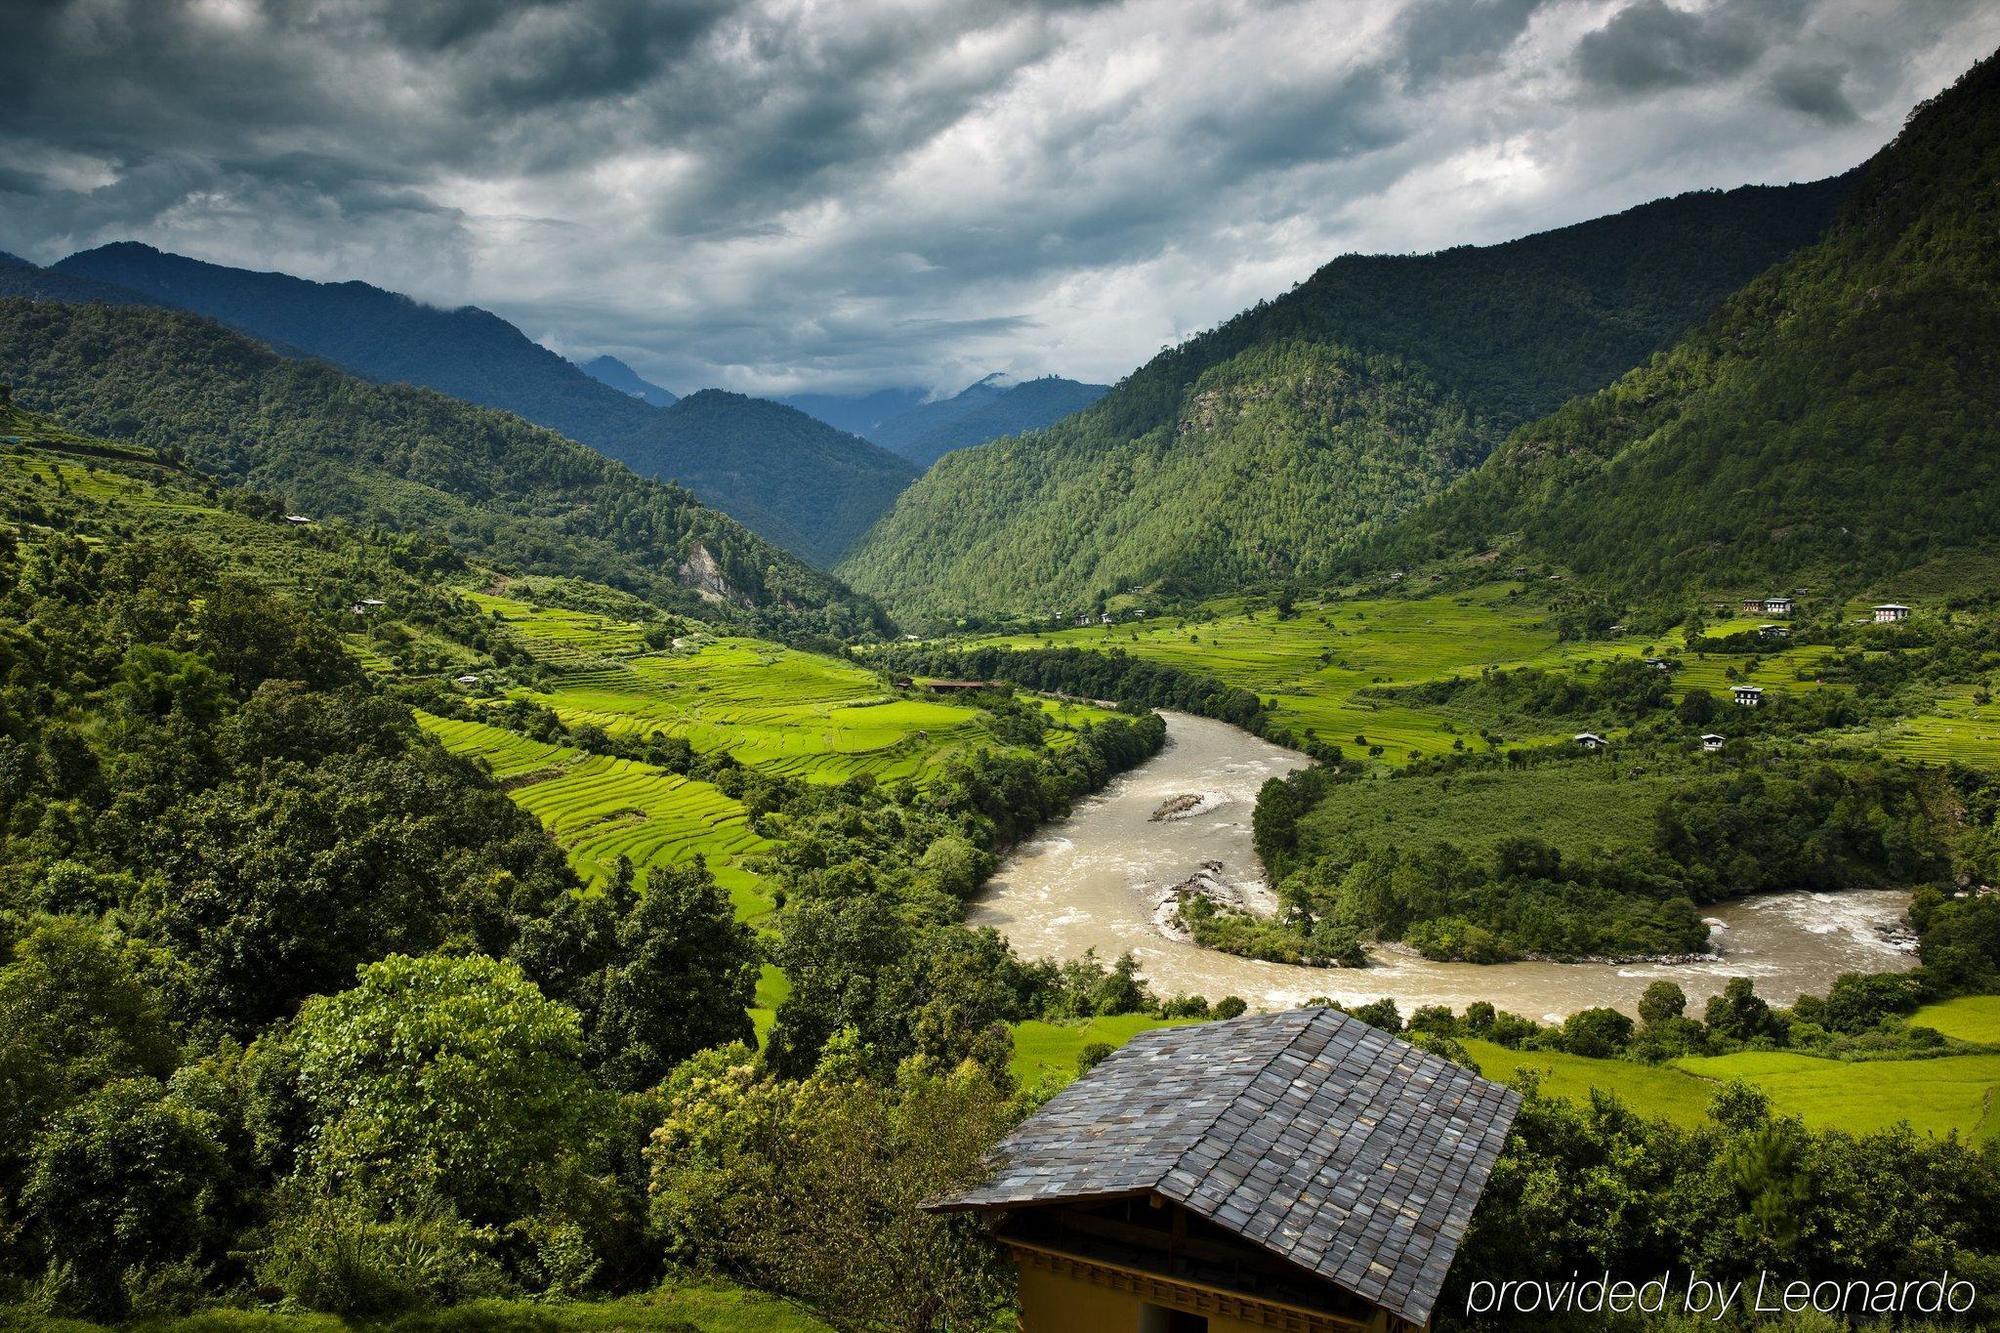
[{"x": 1095, "y": 880}]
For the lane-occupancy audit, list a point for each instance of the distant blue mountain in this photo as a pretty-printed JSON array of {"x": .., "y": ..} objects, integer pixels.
[
  {"x": 997, "y": 405},
  {"x": 861, "y": 413},
  {"x": 610, "y": 370}
]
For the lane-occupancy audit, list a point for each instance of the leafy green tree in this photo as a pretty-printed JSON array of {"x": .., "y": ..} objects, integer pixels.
[{"x": 445, "y": 1076}]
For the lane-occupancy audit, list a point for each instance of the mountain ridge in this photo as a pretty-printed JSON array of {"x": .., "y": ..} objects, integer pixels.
[
  {"x": 814, "y": 500},
  {"x": 1392, "y": 376}
]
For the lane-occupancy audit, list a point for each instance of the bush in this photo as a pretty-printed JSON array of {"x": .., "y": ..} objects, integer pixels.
[{"x": 336, "y": 1253}]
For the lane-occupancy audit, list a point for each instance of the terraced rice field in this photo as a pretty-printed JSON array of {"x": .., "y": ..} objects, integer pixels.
[
  {"x": 1968, "y": 1018},
  {"x": 798, "y": 714},
  {"x": 600, "y": 809}
]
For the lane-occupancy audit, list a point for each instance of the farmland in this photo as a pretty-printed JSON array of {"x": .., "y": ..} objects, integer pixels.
[{"x": 1326, "y": 667}]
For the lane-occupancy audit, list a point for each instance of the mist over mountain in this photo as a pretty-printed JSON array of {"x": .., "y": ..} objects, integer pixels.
[{"x": 807, "y": 486}]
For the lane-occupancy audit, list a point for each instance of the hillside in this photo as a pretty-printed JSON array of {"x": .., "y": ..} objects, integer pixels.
[
  {"x": 806, "y": 486},
  {"x": 403, "y": 458},
  {"x": 857, "y": 413},
  {"x": 1836, "y": 423},
  {"x": 610, "y": 370},
  {"x": 993, "y": 407},
  {"x": 1257, "y": 451},
  {"x": 18, "y": 277}
]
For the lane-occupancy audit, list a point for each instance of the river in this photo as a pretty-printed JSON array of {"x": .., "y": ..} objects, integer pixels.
[{"x": 1094, "y": 881}]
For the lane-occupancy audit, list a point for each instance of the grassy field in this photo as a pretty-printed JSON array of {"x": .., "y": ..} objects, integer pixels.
[
  {"x": 1968, "y": 1018},
  {"x": 1940, "y": 1096},
  {"x": 1049, "y": 1051},
  {"x": 1597, "y": 801},
  {"x": 706, "y": 1306}
]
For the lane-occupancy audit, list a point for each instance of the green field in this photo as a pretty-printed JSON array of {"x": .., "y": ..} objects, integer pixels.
[
  {"x": 1049, "y": 1051},
  {"x": 798, "y": 714},
  {"x": 1597, "y": 801},
  {"x": 600, "y": 809},
  {"x": 1974, "y": 1018},
  {"x": 703, "y": 1305},
  {"x": 1949, "y": 1094},
  {"x": 1320, "y": 666}
]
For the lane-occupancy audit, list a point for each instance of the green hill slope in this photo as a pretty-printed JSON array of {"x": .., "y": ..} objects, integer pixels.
[
  {"x": 796, "y": 481},
  {"x": 408, "y": 459},
  {"x": 1837, "y": 421},
  {"x": 1255, "y": 451}
]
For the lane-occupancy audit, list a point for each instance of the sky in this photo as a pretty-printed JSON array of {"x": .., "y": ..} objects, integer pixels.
[{"x": 839, "y": 195}]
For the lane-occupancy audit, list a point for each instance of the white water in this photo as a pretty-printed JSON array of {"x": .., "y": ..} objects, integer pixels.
[{"x": 1094, "y": 881}]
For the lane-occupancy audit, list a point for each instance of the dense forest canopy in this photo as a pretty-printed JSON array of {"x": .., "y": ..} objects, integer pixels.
[{"x": 1833, "y": 424}]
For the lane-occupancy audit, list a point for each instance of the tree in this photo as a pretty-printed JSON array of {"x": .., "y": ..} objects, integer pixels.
[
  {"x": 816, "y": 1188},
  {"x": 1661, "y": 1001},
  {"x": 1598, "y": 1033},
  {"x": 122, "y": 1187},
  {"x": 452, "y": 1076},
  {"x": 685, "y": 975}
]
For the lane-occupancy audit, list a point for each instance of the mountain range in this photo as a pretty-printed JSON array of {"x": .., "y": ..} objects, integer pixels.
[
  {"x": 1266, "y": 449},
  {"x": 796, "y": 481},
  {"x": 404, "y": 460}
]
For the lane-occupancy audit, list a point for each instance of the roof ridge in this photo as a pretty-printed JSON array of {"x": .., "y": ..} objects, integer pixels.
[{"x": 1312, "y": 1016}]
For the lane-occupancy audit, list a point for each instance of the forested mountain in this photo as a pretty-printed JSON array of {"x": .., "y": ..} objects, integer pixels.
[
  {"x": 995, "y": 406},
  {"x": 1838, "y": 420},
  {"x": 810, "y": 488},
  {"x": 610, "y": 370},
  {"x": 405, "y": 458},
  {"x": 1259, "y": 452},
  {"x": 857, "y": 413},
  {"x": 18, "y": 277}
]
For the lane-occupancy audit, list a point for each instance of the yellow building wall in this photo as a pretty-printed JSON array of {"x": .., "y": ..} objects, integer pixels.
[{"x": 1056, "y": 1303}]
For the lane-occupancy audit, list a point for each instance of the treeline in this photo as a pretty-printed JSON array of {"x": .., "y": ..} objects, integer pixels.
[
  {"x": 1784, "y": 824},
  {"x": 1116, "y": 675},
  {"x": 405, "y": 459}
]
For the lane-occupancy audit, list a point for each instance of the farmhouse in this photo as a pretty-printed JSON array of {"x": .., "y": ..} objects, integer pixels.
[
  {"x": 1748, "y": 696},
  {"x": 1712, "y": 742},
  {"x": 1299, "y": 1171},
  {"x": 1773, "y": 631},
  {"x": 297, "y": 520},
  {"x": 1767, "y": 606},
  {"x": 1590, "y": 740},
  {"x": 467, "y": 680},
  {"x": 1890, "y": 612}
]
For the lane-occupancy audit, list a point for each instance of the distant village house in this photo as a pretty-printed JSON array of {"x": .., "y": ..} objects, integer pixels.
[
  {"x": 1300, "y": 1171},
  {"x": 1712, "y": 742},
  {"x": 1590, "y": 740},
  {"x": 1748, "y": 696},
  {"x": 1890, "y": 612},
  {"x": 1767, "y": 606}
]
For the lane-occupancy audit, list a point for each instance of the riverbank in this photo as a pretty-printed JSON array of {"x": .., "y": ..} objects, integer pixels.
[{"x": 1095, "y": 880}]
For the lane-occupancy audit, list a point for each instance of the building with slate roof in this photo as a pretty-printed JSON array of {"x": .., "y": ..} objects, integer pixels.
[{"x": 1300, "y": 1171}]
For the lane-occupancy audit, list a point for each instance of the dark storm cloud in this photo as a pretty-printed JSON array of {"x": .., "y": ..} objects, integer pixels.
[
  {"x": 1652, "y": 45},
  {"x": 779, "y": 193},
  {"x": 1816, "y": 90}
]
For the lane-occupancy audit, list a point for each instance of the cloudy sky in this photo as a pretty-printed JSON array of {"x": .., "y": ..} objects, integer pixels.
[{"x": 843, "y": 194}]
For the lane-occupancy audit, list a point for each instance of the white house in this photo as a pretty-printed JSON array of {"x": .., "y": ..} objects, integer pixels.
[
  {"x": 1712, "y": 742},
  {"x": 1773, "y": 631},
  {"x": 1590, "y": 740},
  {"x": 297, "y": 520},
  {"x": 1748, "y": 696},
  {"x": 1890, "y": 612}
]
